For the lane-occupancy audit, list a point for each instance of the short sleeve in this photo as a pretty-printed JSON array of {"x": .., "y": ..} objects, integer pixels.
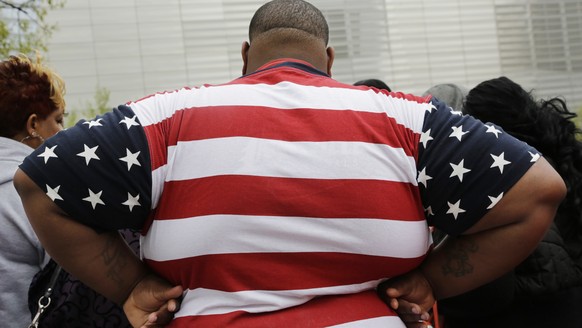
[
  {"x": 465, "y": 167},
  {"x": 98, "y": 172}
]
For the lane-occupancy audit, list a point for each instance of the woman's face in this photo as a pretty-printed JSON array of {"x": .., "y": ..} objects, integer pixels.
[{"x": 52, "y": 124}]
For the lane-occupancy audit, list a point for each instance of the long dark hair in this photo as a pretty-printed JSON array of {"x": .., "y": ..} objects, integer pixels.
[{"x": 546, "y": 125}]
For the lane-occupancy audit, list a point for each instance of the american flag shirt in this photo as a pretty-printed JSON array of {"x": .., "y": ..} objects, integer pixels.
[
  {"x": 478, "y": 162},
  {"x": 284, "y": 197},
  {"x": 98, "y": 171}
]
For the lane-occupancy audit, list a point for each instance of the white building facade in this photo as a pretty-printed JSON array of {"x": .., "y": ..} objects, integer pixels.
[{"x": 136, "y": 47}]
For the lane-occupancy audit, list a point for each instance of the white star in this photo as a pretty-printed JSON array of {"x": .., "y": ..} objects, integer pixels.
[
  {"x": 130, "y": 159},
  {"x": 429, "y": 211},
  {"x": 499, "y": 161},
  {"x": 129, "y": 122},
  {"x": 432, "y": 106},
  {"x": 492, "y": 129},
  {"x": 534, "y": 157},
  {"x": 132, "y": 201},
  {"x": 48, "y": 153},
  {"x": 458, "y": 132},
  {"x": 455, "y": 209},
  {"x": 89, "y": 154},
  {"x": 459, "y": 170},
  {"x": 94, "y": 198},
  {"x": 53, "y": 193},
  {"x": 423, "y": 177},
  {"x": 425, "y": 138},
  {"x": 93, "y": 123},
  {"x": 494, "y": 200}
]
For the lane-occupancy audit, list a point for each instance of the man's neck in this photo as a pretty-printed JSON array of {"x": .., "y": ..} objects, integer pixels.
[{"x": 261, "y": 53}]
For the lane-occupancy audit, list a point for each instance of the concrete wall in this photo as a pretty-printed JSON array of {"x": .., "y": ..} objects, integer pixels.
[{"x": 137, "y": 47}]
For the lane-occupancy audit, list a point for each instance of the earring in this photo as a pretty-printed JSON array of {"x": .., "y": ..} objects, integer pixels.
[
  {"x": 33, "y": 135},
  {"x": 36, "y": 135}
]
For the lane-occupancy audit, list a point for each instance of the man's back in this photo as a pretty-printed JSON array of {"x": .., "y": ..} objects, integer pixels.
[{"x": 298, "y": 187}]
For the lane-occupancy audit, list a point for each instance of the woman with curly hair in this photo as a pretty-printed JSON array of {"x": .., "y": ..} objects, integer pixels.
[
  {"x": 546, "y": 289},
  {"x": 32, "y": 109}
]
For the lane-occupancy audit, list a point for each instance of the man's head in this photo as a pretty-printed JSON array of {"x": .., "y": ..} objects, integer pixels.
[
  {"x": 295, "y": 17},
  {"x": 287, "y": 29}
]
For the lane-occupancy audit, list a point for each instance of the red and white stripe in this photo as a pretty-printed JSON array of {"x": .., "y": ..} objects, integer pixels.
[{"x": 281, "y": 189}]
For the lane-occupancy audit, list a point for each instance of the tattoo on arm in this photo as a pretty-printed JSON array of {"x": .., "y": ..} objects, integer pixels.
[
  {"x": 114, "y": 260},
  {"x": 458, "y": 263}
]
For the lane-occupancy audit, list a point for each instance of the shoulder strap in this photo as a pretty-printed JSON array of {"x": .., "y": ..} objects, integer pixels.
[{"x": 45, "y": 300}]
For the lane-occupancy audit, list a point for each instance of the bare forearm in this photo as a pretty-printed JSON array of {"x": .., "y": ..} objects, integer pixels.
[
  {"x": 104, "y": 262},
  {"x": 467, "y": 262},
  {"x": 118, "y": 264}
]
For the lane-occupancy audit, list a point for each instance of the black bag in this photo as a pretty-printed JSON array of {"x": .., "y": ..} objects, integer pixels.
[{"x": 73, "y": 304}]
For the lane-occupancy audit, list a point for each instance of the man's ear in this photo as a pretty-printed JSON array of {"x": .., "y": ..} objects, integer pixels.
[
  {"x": 330, "y": 57},
  {"x": 245, "y": 56}
]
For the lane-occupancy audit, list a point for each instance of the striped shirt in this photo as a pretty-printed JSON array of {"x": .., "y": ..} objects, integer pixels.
[{"x": 284, "y": 197}]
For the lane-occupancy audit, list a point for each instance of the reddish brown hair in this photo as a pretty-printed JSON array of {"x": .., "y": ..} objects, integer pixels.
[{"x": 27, "y": 87}]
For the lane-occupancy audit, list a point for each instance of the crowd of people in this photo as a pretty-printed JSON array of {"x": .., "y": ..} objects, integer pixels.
[{"x": 287, "y": 198}]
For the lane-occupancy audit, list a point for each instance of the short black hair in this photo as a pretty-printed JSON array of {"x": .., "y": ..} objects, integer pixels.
[
  {"x": 289, "y": 14},
  {"x": 378, "y": 84}
]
